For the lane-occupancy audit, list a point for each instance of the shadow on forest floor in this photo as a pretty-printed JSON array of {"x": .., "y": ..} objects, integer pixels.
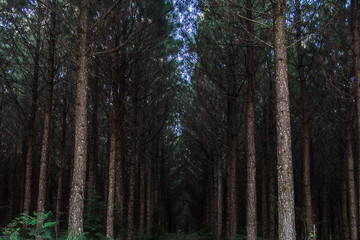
[{"x": 184, "y": 236}]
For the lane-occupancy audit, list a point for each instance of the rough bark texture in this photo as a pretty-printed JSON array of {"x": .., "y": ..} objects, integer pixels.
[
  {"x": 30, "y": 140},
  {"x": 308, "y": 216},
  {"x": 111, "y": 189},
  {"x": 351, "y": 176},
  {"x": 47, "y": 120},
  {"x": 251, "y": 201},
  {"x": 285, "y": 167},
  {"x": 75, "y": 224}
]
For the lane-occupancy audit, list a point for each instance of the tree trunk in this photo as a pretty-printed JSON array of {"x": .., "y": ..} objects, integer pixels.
[
  {"x": 271, "y": 163},
  {"x": 132, "y": 169},
  {"x": 231, "y": 169},
  {"x": 149, "y": 203},
  {"x": 142, "y": 195},
  {"x": 219, "y": 199},
  {"x": 309, "y": 222},
  {"x": 47, "y": 120},
  {"x": 111, "y": 189},
  {"x": 344, "y": 212},
  {"x": 351, "y": 177},
  {"x": 120, "y": 135},
  {"x": 285, "y": 166},
  {"x": 93, "y": 146},
  {"x": 61, "y": 170},
  {"x": 30, "y": 139},
  {"x": 355, "y": 29},
  {"x": 75, "y": 225},
  {"x": 251, "y": 202}
]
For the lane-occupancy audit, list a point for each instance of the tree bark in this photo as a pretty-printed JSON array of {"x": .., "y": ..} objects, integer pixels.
[
  {"x": 61, "y": 169},
  {"x": 47, "y": 120},
  {"x": 344, "y": 211},
  {"x": 75, "y": 225},
  {"x": 149, "y": 203},
  {"x": 284, "y": 153},
  {"x": 31, "y": 134},
  {"x": 231, "y": 169},
  {"x": 355, "y": 29},
  {"x": 111, "y": 189},
  {"x": 93, "y": 145},
  {"x": 251, "y": 201},
  {"x": 132, "y": 169},
  {"x": 351, "y": 175},
  {"x": 309, "y": 222},
  {"x": 219, "y": 198},
  {"x": 142, "y": 195}
]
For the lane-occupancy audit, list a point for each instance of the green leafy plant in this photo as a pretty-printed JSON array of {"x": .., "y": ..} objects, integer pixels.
[{"x": 40, "y": 227}]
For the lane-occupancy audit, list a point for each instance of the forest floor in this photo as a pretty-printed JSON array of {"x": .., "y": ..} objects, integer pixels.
[{"x": 184, "y": 236}]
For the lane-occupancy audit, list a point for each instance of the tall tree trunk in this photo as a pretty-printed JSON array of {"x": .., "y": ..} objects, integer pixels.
[
  {"x": 75, "y": 225},
  {"x": 251, "y": 202},
  {"x": 355, "y": 29},
  {"x": 142, "y": 194},
  {"x": 219, "y": 203},
  {"x": 120, "y": 135},
  {"x": 285, "y": 167},
  {"x": 351, "y": 175},
  {"x": 61, "y": 168},
  {"x": 149, "y": 202},
  {"x": 344, "y": 208},
  {"x": 47, "y": 119},
  {"x": 111, "y": 189},
  {"x": 93, "y": 145},
  {"x": 271, "y": 163},
  {"x": 309, "y": 222},
  {"x": 132, "y": 169},
  {"x": 31, "y": 126},
  {"x": 231, "y": 169}
]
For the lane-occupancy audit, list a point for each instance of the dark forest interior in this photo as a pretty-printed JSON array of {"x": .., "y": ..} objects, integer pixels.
[{"x": 180, "y": 119}]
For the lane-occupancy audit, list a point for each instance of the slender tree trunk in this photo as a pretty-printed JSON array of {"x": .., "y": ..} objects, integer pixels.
[
  {"x": 132, "y": 169},
  {"x": 31, "y": 134},
  {"x": 149, "y": 203},
  {"x": 75, "y": 225},
  {"x": 61, "y": 170},
  {"x": 142, "y": 195},
  {"x": 351, "y": 175},
  {"x": 355, "y": 29},
  {"x": 285, "y": 166},
  {"x": 93, "y": 145},
  {"x": 47, "y": 120},
  {"x": 219, "y": 199},
  {"x": 271, "y": 164},
  {"x": 344, "y": 212},
  {"x": 119, "y": 173},
  {"x": 231, "y": 169},
  {"x": 111, "y": 190},
  {"x": 251, "y": 202},
  {"x": 120, "y": 135},
  {"x": 309, "y": 222}
]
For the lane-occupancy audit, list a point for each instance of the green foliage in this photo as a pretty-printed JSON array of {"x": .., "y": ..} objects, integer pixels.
[{"x": 35, "y": 227}]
